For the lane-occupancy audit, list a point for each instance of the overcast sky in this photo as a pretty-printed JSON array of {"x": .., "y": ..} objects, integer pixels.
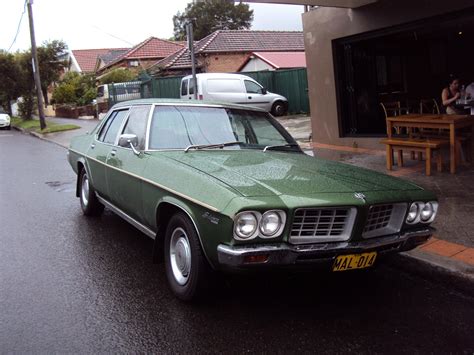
[{"x": 108, "y": 23}]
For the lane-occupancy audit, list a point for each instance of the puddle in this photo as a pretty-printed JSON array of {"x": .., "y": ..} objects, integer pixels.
[{"x": 62, "y": 186}]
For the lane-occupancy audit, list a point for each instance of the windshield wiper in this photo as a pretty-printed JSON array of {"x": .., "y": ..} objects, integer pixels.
[
  {"x": 211, "y": 146},
  {"x": 289, "y": 145}
]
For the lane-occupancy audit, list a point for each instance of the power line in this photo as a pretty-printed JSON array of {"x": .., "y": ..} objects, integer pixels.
[
  {"x": 110, "y": 34},
  {"x": 19, "y": 24}
]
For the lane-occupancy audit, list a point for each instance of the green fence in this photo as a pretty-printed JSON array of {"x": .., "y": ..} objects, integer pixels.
[{"x": 293, "y": 84}]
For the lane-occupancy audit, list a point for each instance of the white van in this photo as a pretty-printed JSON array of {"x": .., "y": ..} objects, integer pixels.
[{"x": 233, "y": 88}]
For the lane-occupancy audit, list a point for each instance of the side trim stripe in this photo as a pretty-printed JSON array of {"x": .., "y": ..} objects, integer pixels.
[{"x": 212, "y": 208}]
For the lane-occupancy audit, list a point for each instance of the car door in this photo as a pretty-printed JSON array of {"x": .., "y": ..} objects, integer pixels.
[
  {"x": 255, "y": 96},
  {"x": 100, "y": 148},
  {"x": 126, "y": 167}
]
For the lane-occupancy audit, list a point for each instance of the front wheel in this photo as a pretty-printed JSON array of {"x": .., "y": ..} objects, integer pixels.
[
  {"x": 278, "y": 109},
  {"x": 90, "y": 205},
  {"x": 187, "y": 270}
]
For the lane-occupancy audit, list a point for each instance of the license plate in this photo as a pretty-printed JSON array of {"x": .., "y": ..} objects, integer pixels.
[{"x": 354, "y": 261}]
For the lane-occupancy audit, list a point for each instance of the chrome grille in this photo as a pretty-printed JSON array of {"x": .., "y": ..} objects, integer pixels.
[
  {"x": 379, "y": 217},
  {"x": 384, "y": 219},
  {"x": 312, "y": 225}
]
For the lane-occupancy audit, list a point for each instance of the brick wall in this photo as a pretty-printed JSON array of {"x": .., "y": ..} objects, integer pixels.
[{"x": 223, "y": 62}]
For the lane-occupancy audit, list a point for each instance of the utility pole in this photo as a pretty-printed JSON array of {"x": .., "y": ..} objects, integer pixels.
[
  {"x": 189, "y": 33},
  {"x": 36, "y": 73}
]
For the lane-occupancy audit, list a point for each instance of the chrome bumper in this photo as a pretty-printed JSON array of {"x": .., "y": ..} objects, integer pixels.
[{"x": 288, "y": 254}]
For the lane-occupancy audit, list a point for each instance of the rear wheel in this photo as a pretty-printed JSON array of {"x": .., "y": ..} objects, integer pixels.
[
  {"x": 187, "y": 270},
  {"x": 89, "y": 203},
  {"x": 279, "y": 108}
]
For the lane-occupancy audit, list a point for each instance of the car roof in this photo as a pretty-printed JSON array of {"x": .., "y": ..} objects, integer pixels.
[
  {"x": 198, "y": 103},
  {"x": 218, "y": 75}
]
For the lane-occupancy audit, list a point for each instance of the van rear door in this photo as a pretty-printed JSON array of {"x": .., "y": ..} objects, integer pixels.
[{"x": 184, "y": 89}]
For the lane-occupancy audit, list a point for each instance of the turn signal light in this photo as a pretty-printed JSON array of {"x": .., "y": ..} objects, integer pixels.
[{"x": 256, "y": 259}]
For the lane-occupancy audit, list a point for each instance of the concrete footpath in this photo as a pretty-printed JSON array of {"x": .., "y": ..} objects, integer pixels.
[{"x": 452, "y": 248}]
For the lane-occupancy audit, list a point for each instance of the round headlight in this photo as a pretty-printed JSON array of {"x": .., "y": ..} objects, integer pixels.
[
  {"x": 270, "y": 223},
  {"x": 246, "y": 225},
  {"x": 412, "y": 213},
  {"x": 427, "y": 212}
]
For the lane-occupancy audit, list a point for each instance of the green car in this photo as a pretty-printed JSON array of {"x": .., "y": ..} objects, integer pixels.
[{"x": 225, "y": 188}]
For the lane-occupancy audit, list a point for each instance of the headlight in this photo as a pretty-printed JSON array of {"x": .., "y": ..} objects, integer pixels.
[
  {"x": 422, "y": 212},
  {"x": 245, "y": 226},
  {"x": 428, "y": 212},
  {"x": 412, "y": 213},
  {"x": 271, "y": 223}
]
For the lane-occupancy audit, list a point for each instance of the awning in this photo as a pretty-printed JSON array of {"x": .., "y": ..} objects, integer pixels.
[{"x": 325, "y": 3}]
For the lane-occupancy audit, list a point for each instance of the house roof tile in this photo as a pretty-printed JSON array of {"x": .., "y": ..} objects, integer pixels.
[
  {"x": 224, "y": 41},
  {"x": 87, "y": 58}
]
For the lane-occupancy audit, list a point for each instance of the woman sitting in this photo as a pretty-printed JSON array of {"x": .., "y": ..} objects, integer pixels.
[{"x": 449, "y": 95}]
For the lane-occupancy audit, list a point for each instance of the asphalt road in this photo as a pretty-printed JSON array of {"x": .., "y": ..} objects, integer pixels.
[{"x": 74, "y": 284}]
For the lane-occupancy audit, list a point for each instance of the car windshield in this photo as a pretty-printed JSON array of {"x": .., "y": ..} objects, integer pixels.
[{"x": 178, "y": 127}]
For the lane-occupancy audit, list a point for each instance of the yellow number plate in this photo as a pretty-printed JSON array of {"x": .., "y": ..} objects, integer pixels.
[{"x": 354, "y": 261}]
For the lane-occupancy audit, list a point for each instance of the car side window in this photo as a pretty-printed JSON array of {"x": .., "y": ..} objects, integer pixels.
[
  {"x": 137, "y": 123},
  {"x": 112, "y": 129},
  {"x": 184, "y": 87},
  {"x": 106, "y": 126},
  {"x": 252, "y": 87}
]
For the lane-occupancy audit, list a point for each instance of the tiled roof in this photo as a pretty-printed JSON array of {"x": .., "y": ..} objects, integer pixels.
[
  {"x": 281, "y": 59},
  {"x": 87, "y": 58},
  {"x": 224, "y": 41},
  {"x": 151, "y": 48},
  {"x": 112, "y": 55},
  {"x": 251, "y": 41}
]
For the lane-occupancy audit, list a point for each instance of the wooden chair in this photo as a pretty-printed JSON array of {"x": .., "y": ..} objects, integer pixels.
[
  {"x": 391, "y": 109},
  {"x": 429, "y": 106}
]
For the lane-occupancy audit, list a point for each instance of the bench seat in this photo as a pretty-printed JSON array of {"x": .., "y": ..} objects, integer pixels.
[{"x": 414, "y": 145}]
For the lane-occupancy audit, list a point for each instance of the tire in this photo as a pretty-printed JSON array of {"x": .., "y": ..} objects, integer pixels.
[
  {"x": 189, "y": 275},
  {"x": 279, "y": 109},
  {"x": 90, "y": 205}
]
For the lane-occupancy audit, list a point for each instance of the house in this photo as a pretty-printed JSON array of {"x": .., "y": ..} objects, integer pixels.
[
  {"x": 228, "y": 50},
  {"x": 140, "y": 57},
  {"x": 257, "y": 61},
  {"x": 85, "y": 60},
  {"x": 364, "y": 52}
]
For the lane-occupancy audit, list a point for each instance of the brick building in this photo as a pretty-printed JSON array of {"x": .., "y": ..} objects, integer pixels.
[{"x": 227, "y": 51}]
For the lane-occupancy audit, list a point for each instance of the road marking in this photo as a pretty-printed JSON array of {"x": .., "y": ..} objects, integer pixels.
[{"x": 6, "y": 135}]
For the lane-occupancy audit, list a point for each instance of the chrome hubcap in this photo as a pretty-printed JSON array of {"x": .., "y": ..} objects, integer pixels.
[
  {"x": 180, "y": 256},
  {"x": 85, "y": 190}
]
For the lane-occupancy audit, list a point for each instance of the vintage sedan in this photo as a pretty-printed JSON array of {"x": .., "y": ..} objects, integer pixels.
[{"x": 224, "y": 187}]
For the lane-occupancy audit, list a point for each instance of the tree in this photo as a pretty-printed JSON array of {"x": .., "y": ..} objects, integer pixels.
[
  {"x": 52, "y": 63},
  {"x": 9, "y": 74},
  {"x": 75, "y": 89},
  {"x": 212, "y": 15},
  {"x": 118, "y": 75}
]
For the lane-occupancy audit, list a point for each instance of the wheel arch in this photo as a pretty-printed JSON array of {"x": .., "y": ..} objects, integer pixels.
[
  {"x": 81, "y": 164},
  {"x": 165, "y": 209}
]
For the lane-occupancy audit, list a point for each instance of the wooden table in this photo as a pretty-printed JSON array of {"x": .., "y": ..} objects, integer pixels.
[{"x": 448, "y": 122}]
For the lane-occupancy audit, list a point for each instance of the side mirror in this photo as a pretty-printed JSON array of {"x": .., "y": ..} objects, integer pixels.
[
  {"x": 264, "y": 91},
  {"x": 129, "y": 141}
]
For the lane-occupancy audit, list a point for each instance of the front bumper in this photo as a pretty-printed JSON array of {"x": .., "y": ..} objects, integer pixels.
[
  {"x": 4, "y": 124},
  {"x": 288, "y": 254}
]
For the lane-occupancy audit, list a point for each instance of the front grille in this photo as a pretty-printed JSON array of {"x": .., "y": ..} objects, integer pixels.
[
  {"x": 312, "y": 225},
  {"x": 379, "y": 217},
  {"x": 384, "y": 219}
]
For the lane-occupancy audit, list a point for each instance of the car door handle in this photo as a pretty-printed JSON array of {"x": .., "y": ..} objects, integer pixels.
[
  {"x": 113, "y": 152},
  {"x": 92, "y": 145},
  {"x": 250, "y": 97}
]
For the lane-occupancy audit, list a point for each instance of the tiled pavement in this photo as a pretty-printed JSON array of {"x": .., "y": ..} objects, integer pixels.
[{"x": 455, "y": 220}]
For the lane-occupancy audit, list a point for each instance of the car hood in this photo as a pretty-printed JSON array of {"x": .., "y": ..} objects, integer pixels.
[{"x": 258, "y": 173}]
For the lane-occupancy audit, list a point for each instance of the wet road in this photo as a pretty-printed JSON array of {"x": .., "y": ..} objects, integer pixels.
[{"x": 74, "y": 284}]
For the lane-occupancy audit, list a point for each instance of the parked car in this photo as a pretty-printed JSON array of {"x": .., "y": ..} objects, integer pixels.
[
  {"x": 235, "y": 89},
  {"x": 225, "y": 187},
  {"x": 4, "y": 120}
]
